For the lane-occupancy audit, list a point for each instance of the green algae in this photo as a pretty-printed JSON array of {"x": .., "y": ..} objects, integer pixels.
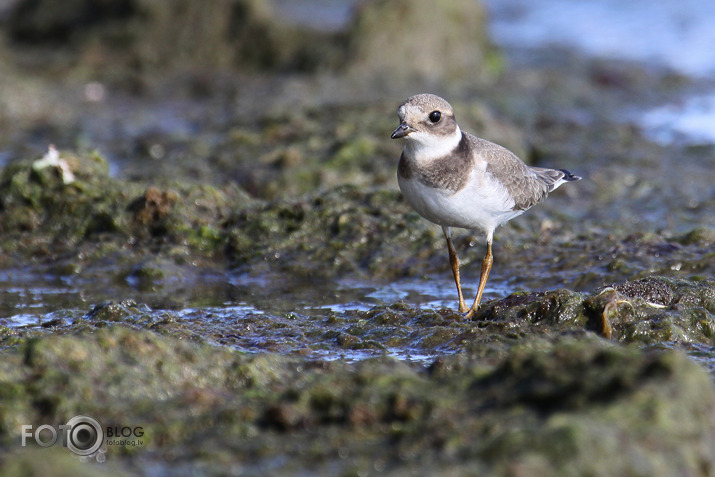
[
  {"x": 35, "y": 198},
  {"x": 42, "y": 215},
  {"x": 525, "y": 408},
  {"x": 343, "y": 230}
]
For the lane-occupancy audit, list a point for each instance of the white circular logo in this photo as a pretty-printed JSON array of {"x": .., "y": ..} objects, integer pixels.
[{"x": 85, "y": 435}]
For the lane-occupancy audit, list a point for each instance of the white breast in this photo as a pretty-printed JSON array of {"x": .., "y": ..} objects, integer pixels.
[{"x": 482, "y": 205}]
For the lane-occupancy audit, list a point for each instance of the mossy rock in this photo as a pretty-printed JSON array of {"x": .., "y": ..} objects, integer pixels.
[
  {"x": 59, "y": 209},
  {"x": 410, "y": 41},
  {"x": 557, "y": 406}
]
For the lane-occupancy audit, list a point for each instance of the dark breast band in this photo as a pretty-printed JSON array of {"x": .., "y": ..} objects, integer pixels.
[{"x": 449, "y": 172}]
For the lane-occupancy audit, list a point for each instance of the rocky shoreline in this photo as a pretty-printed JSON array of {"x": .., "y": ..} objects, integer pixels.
[{"x": 276, "y": 174}]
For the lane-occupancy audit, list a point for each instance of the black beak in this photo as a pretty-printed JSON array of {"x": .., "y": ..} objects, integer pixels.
[{"x": 402, "y": 131}]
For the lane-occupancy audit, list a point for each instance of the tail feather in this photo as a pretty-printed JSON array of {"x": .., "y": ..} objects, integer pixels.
[
  {"x": 553, "y": 178},
  {"x": 568, "y": 177}
]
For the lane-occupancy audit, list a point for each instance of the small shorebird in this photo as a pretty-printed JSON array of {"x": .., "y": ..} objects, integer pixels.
[{"x": 455, "y": 179}]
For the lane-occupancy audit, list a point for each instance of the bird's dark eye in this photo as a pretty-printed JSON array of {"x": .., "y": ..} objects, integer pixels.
[{"x": 435, "y": 116}]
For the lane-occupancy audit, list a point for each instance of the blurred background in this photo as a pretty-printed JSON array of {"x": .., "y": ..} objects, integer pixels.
[
  {"x": 135, "y": 79},
  {"x": 55, "y": 57}
]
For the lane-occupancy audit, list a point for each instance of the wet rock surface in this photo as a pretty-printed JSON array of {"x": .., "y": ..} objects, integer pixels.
[
  {"x": 418, "y": 334},
  {"x": 216, "y": 251}
]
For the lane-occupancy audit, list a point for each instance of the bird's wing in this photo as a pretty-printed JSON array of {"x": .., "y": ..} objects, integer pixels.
[{"x": 527, "y": 185}]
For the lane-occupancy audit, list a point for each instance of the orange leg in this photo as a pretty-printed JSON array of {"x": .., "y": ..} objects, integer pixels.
[
  {"x": 454, "y": 262},
  {"x": 486, "y": 268}
]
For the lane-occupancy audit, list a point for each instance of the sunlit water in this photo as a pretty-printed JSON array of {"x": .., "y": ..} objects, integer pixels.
[
  {"x": 689, "y": 121},
  {"x": 34, "y": 301},
  {"x": 31, "y": 299},
  {"x": 677, "y": 35}
]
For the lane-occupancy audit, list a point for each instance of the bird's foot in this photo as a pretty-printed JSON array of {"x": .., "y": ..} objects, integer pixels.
[{"x": 470, "y": 313}]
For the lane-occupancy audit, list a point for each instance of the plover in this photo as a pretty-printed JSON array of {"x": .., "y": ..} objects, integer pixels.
[{"x": 455, "y": 179}]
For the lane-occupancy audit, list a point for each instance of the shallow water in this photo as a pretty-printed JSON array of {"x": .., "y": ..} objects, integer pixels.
[
  {"x": 673, "y": 34},
  {"x": 31, "y": 300},
  {"x": 676, "y": 35},
  {"x": 691, "y": 121},
  {"x": 242, "y": 312}
]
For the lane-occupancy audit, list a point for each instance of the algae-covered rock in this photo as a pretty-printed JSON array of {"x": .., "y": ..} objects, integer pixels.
[
  {"x": 565, "y": 406},
  {"x": 66, "y": 203},
  {"x": 115, "y": 311},
  {"x": 659, "y": 309},
  {"x": 343, "y": 230},
  {"x": 406, "y": 41},
  {"x": 650, "y": 310},
  {"x": 580, "y": 414},
  {"x": 704, "y": 236},
  {"x": 663, "y": 291},
  {"x": 60, "y": 200}
]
